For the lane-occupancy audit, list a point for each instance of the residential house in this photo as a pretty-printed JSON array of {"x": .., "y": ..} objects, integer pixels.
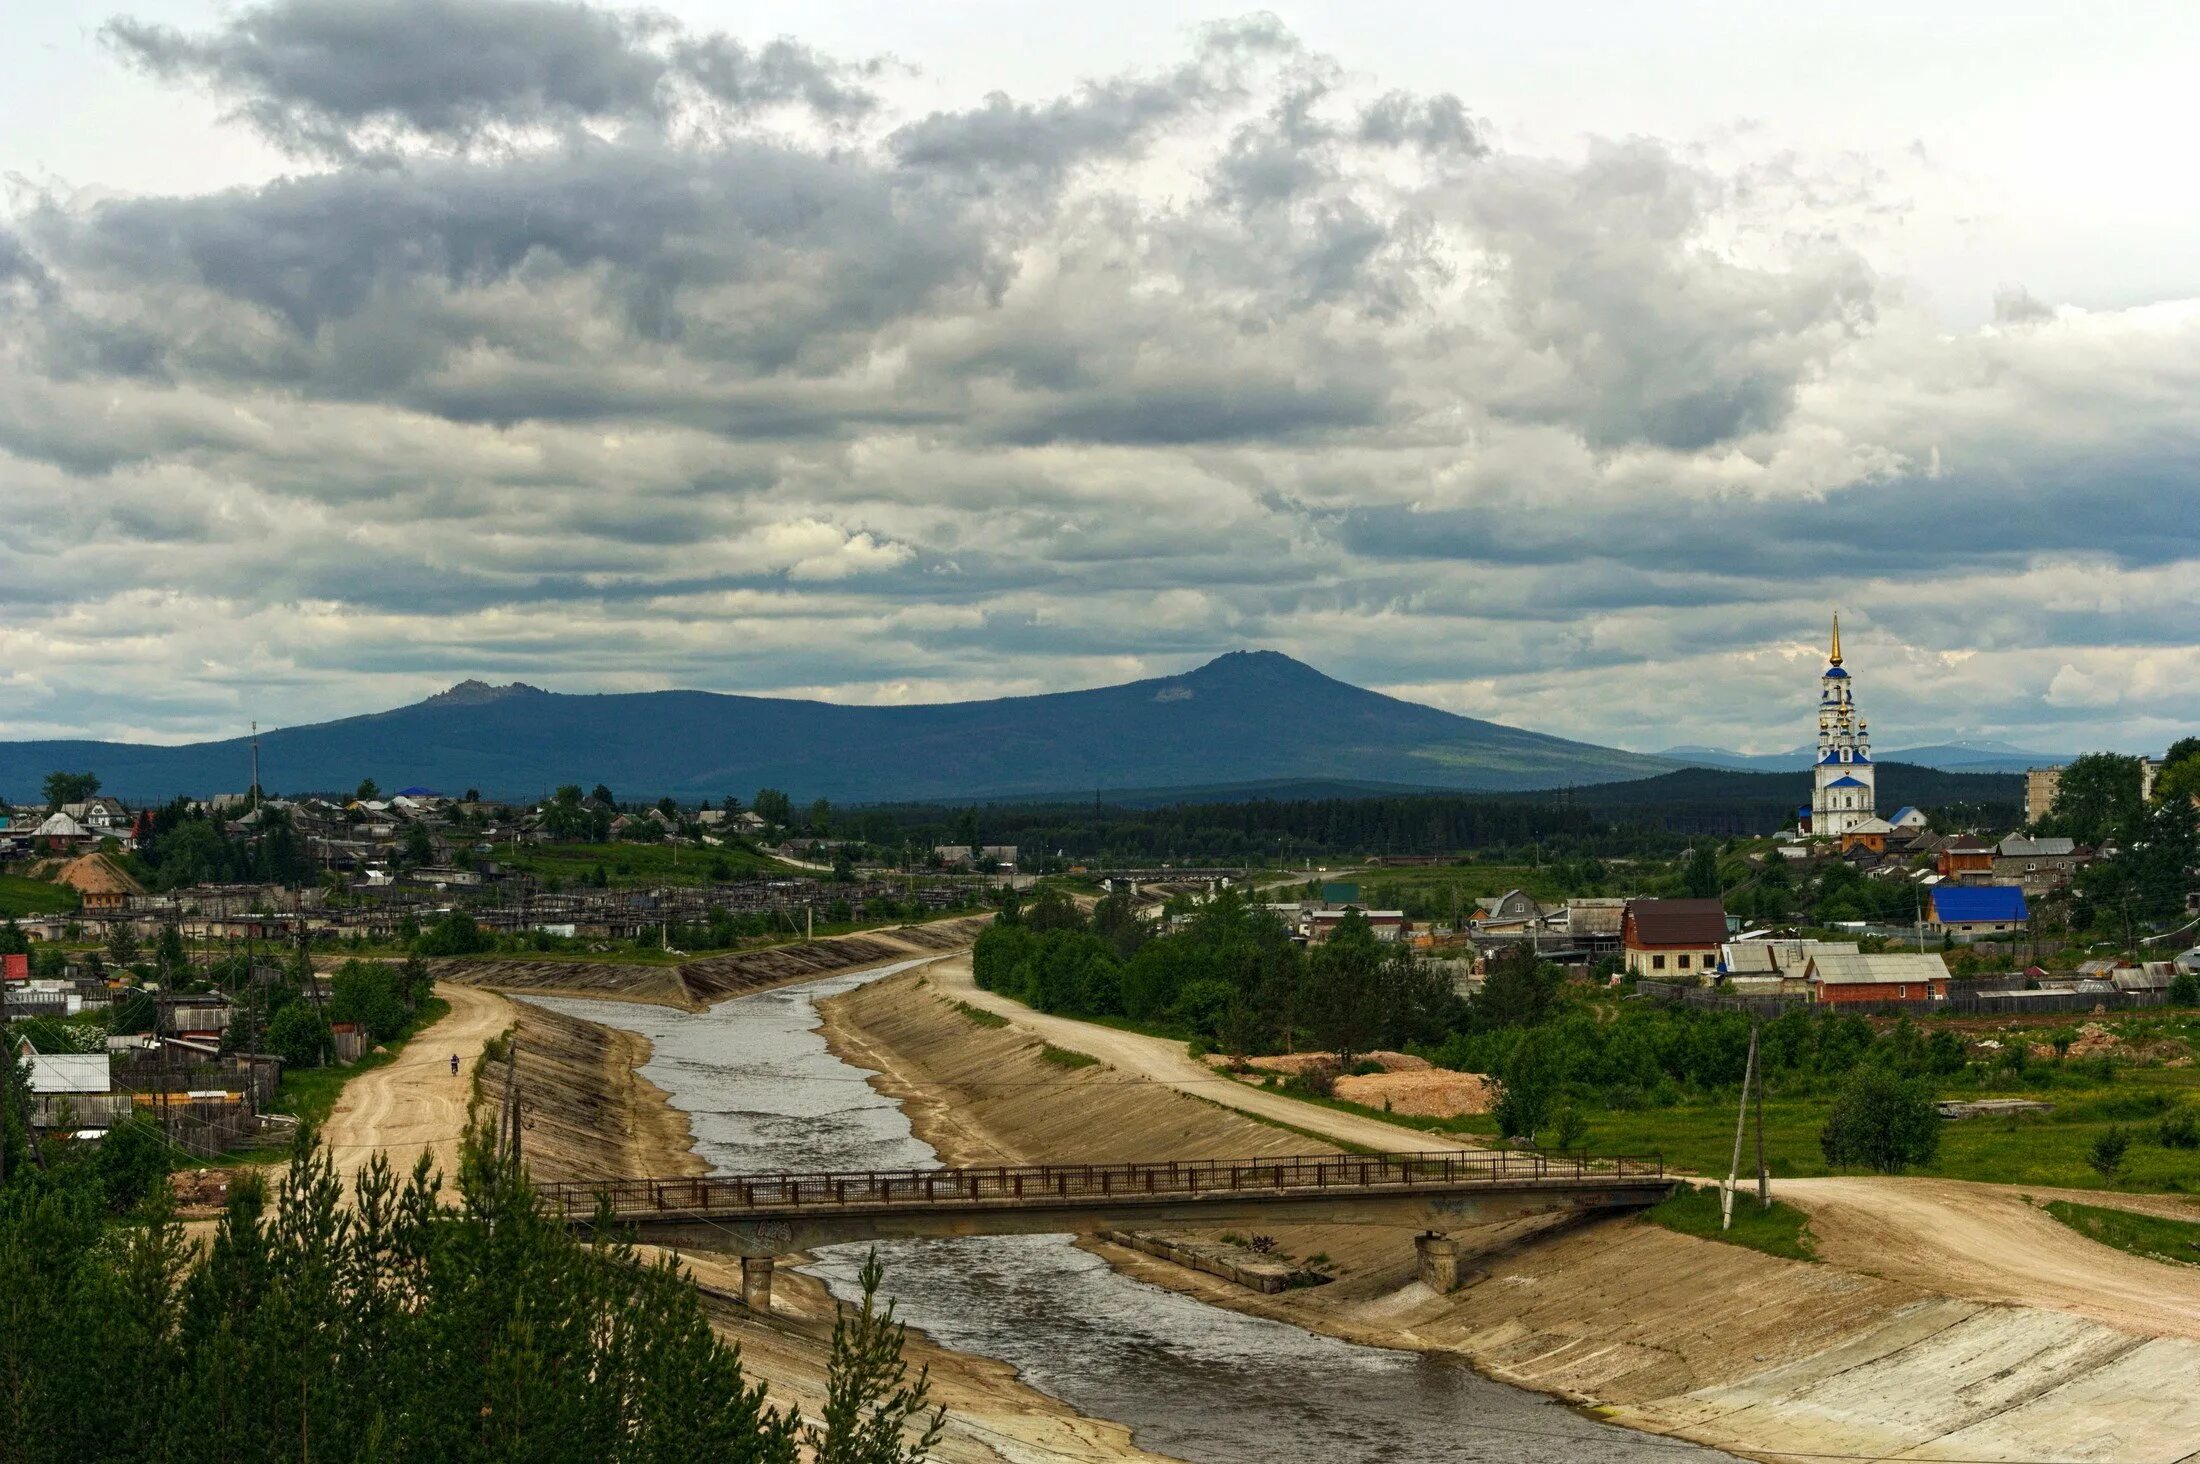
[
  {"x": 1965, "y": 857},
  {"x": 1965, "y": 912},
  {"x": 62, "y": 834},
  {"x": 1869, "y": 834},
  {"x": 1388, "y": 925},
  {"x": 1666, "y": 938},
  {"x": 72, "y": 1090},
  {"x": 958, "y": 856},
  {"x": 1837, "y": 977},
  {"x": 1512, "y": 913},
  {"x": 1910, "y": 818},
  {"x": 2036, "y": 865}
]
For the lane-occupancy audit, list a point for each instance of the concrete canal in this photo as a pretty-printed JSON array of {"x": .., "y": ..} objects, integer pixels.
[{"x": 1206, "y": 1385}]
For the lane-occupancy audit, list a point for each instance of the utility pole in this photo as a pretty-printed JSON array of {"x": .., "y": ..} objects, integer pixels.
[
  {"x": 511, "y": 1098},
  {"x": 1764, "y": 1175},
  {"x": 1741, "y": 1118}
]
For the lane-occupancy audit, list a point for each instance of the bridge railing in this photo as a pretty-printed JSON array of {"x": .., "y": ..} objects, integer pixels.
[{"x": 1038, "y": 1183}]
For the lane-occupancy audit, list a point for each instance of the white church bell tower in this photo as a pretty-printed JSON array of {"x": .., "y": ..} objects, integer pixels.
[{"x": 1843, "y": 792}]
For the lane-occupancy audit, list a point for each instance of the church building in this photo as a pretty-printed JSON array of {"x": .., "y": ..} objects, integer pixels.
[{"x": 1843, "y": 791}]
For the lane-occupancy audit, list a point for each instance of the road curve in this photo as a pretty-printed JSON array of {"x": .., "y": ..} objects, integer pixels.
[
  {"x": 1988, "y": 1242},
  {"x": 1163, "y": 1061}
]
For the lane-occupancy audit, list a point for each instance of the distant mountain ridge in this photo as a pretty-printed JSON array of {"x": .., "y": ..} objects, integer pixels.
[
  {"x": 1948, "y": 757},
  {"x": 1245, "y": 717}
]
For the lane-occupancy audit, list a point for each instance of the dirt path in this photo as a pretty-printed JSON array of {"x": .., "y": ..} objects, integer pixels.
[
  {"x": 415, "y": 1104},
  {"x": 1985, "y": 1242},
  {"x": 1162, "y": 1061}
]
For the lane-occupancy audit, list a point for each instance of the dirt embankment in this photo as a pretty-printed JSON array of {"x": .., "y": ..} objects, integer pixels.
[
  {"x": 1715, "y": 1343},
  {"x": 708, "y": 980},
  {"x": 589, "y": 1113}
]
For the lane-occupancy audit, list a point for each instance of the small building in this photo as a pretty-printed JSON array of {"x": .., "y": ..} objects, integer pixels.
[
  {"x": 1387, "y": 925},
  {"x": 1910, "y": 818},
  {"x": 1837, "y": 977},
  {"x": 99, "y": 882},
  {"x": 1664, "y": 938},
  {"x": 1784, "y": 958},
  {"x": 1869, "y": 834},
  {"x": 1965, "y": 858},
  {"x": 1965, "y": 912},
  {"x": 15, "y": 967}
]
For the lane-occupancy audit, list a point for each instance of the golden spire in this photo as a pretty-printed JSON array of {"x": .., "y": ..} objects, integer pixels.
[{"x": 1835, "y": 658}]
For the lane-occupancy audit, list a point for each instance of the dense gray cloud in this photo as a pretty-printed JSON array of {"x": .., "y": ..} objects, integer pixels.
[
  {"x": 596, "y": 352},
  {"x": 345, "y": 78}
]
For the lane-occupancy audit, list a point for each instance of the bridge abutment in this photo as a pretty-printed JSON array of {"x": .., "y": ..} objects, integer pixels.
[
  {"x": 1439, "y": 1258},
  {"x": 756, "y": 1282}
]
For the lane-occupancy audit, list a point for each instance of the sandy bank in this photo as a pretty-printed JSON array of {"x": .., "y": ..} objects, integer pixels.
[
  {"x": 1701, "y": 1340},
  {"x": 707, "y": 980}
]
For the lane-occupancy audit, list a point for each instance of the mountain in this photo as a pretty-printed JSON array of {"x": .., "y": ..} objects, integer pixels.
[
  {"x": 1246, "y": 717},
  {"x": 1948, "y": 757}
]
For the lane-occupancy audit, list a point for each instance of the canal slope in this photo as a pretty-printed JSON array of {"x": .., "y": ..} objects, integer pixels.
[{"x": 1692, "y": 1338}]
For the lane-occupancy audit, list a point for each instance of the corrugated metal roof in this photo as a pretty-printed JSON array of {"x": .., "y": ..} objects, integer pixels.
[
  {"x": 70, "y": 1073},
  {"x": 2016, "y": 846},
  {"x": 1843, "y": 969}
]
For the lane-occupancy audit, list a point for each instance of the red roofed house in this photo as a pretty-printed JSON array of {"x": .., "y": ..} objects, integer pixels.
[
  {"x": 15, "y": 968},
  {"x": 1666, "y": 938}
]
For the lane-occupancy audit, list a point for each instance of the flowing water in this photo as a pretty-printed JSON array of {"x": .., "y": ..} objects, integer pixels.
[{"x": 1195, "y": 1381}]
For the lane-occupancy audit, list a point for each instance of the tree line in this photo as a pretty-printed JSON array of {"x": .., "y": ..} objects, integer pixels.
[{"x": 400, "y": 1326}]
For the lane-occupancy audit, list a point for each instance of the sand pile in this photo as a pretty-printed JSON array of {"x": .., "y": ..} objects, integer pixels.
[{"x": 1426, "y": 1092}]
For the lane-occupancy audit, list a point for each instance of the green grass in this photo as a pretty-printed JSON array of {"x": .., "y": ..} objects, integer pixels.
[
  {"x": 2174, "y": 1241},
  {"x": 1062, "y": 1057},
  {"x": 980, "y": 1015},
  {"x": 1781, "y": 1231},
  {"x": 635, "y": 864},
  {"x": 20, "y": 895}
]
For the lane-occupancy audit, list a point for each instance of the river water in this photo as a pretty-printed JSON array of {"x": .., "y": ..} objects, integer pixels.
[{"x": 1204, "y": 1384}]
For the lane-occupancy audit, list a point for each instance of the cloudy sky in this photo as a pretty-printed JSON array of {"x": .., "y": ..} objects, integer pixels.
[{"x": 1566, "y": 368}]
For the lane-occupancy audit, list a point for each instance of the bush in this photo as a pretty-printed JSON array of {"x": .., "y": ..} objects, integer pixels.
[
  {"x": 1527, "y": 1087},
  {"x": 454, "y": 934},
  {"x": 1881, "y": 1122},
  {"x": 2179, "y": 1130},
  {"x": 133, "y": 1159},
  {"x": 2108, "y": 1151},
  {"x": 2184, "y": 989},
  {"x": 299, "y": 1036}
]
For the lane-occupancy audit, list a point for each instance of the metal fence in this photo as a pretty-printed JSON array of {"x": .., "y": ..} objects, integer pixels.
[
  {"x": 1040, "y": 1183},
  {"x": 1957, "y": 1003}
]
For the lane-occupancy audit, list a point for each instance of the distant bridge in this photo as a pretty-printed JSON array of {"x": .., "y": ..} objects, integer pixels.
[{"x": 760, "y": 1216}]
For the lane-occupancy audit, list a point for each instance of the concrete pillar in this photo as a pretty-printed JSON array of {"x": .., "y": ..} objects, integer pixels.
[
  {"x": 756, "y": 1282},
  {"x": 1439, "y": 1258}
]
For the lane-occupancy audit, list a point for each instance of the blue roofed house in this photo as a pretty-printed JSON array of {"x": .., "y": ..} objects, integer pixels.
[
  {"x": 1964, "y": 912},
  {"x": 1907, "y": 818}
]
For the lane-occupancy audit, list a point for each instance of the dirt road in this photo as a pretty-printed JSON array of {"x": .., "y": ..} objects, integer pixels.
[
  {"x": 1980, "y": 1242},
  {"x": 1985, "y": 1242},
  {"x": 415, "y": 1104},
  {"x": 1162, "y": 1061}
]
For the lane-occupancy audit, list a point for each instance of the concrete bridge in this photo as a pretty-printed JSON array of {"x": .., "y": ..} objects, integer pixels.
[{"x": 761, "y": 1216}]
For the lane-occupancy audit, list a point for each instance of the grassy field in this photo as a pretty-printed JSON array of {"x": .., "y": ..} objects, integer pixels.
[
  {"x": 637, "y": 864},
  {"x": 2174, "y": 1241},
  {"x": 980, "y": 1015},
  {"x": 21, "y": 896},
  {"x": 1782, "y": 1230},
  {"x": 1063, "y": 1057},
  {"x": 2049, "y": 1150}
]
